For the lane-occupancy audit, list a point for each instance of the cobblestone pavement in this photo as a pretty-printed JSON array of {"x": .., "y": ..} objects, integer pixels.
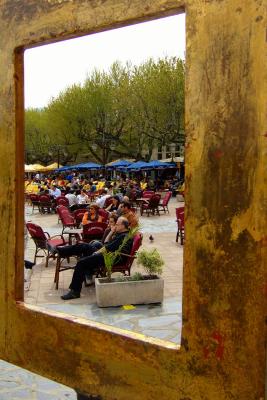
[
  {"x": 161, "y": 321},
  {"x": 17, "y": 384}
]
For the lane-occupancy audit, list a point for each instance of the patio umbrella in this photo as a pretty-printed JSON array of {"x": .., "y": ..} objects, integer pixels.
[
  {"x": 65, "y": 168},
  {"x": 156, "y": 164},
  {"x": 118, "y": 164},
  {"x": 29, "y": 168},
  {"x": 137, "y": 166},
  {"x": 52, "y": 167},
  {"x": 34, "y": 168},
  {"x": 39, "y": 167},
  {"x": 89, "y": 165}
]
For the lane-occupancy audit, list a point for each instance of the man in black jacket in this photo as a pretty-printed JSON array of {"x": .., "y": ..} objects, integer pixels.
[{"x": 88, "y": 265}]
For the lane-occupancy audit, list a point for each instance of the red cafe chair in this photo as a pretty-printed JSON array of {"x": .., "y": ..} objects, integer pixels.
[
  {"x": 34, "y": 198},
  {"x": 163, "y": 204},
  {"x": 66, "y": 218},
  {"x": 44, "y": 242},
  {"x": 78, "y": 216},
  {"x": 104, "y": 214},
  {"x": 125, "y": 267},
  {"x": 62, "y": 201},
  {"x": 93, "y": 231},
  {"x": 180, "y": 224},
  {"x": 152, "y": 206}
]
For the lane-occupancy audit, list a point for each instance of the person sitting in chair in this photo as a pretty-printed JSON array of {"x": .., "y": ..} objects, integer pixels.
[
  {"x": 82, "y": 199},
  {"x": 91, "y": 264},
  {"x": 92, "y": 215},
  {"x": 83, "y": 249},
  {"x": 129, "y": 214},
  {"x": 55, "y": 191},
  {"x": 114, "y": 205}
]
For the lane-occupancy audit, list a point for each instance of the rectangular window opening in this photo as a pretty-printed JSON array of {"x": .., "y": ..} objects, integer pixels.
[{"x": 108, "y": 98}]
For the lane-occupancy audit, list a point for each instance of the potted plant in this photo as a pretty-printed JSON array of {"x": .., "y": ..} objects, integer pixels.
[
  {"x": 152, "y": 262},
  {"x": 136, "y": 289}
]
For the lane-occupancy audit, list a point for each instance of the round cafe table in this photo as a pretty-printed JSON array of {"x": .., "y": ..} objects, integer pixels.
[{"x": 74, "y": 234}]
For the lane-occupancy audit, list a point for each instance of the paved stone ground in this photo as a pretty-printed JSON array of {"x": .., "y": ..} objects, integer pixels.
[
  {"x": 17, "y": 383},
  {"x": 161, "y": 321}
]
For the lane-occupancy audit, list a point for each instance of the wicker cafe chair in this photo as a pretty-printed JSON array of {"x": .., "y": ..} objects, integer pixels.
[
  {"x": 125, "y": 267},
  {"x": 180, "y": 224},
  {"x": 62, "y": 201},
  {"x": 45, "y": 204},
  {"x": 78, "y": 216},
  {"x": 147, "y": 194},
  {"x": 104, "y": 214},
  {"x": 93, "y": 231},
  {"x": 163, "y": 204},
  {"x": 34, "y": 198},
  {"x": 66, "y": 218},
  {"x": 152, "y": 206},
  {"x": 61, "y": 268},
  {"x": 44, "y": 242}
]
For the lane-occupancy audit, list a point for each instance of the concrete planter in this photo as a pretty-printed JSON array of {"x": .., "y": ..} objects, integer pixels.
[{"x": 128, "y": 292}]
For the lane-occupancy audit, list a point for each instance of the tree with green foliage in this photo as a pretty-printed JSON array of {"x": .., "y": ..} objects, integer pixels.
[
  {"x": 113, "y": 114},
  {"x": 158, "y": 102}
]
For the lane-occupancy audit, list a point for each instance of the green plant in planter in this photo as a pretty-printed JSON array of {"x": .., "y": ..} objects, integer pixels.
[
  {"x": 137, "y": 276},
  {"x": 110, "y": 257},
  {"x": 151, "y": 260}
]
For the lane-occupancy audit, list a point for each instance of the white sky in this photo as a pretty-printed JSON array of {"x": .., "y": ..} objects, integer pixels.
[{"x": 51, "y": 68}]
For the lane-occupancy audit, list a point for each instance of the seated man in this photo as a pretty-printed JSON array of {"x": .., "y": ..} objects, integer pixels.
[
  {"x": 55, "y": 191},
  {"x": 101, "y": 200},
  {"x": 90, "y": 264},
  {"x": 70, "y": 195}
]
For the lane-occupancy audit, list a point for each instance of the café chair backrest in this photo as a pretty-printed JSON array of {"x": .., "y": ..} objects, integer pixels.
[
  {"x": 93, "y": 231},
  {"x": 65, "y": 217}
]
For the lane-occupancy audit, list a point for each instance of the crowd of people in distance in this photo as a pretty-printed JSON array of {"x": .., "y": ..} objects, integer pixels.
[
  {"x": 76, "y": 187},
  {"x": 115, "y": 196}
]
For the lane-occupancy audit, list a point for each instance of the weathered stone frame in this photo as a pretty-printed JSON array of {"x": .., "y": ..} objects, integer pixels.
[{"x": 224, "y": 300}]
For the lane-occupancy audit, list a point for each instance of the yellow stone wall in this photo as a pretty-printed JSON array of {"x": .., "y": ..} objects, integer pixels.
[{"x": 222, "y": 355}]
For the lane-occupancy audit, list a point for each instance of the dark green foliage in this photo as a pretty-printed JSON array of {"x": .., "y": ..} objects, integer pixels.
[{"x": 113, "y": 114}]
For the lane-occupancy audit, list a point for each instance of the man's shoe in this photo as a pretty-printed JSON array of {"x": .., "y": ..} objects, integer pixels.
[{"x": 70, "y": 295}]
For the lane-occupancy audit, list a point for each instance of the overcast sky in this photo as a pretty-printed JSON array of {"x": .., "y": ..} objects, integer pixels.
[{"x": 50, "y": 69}]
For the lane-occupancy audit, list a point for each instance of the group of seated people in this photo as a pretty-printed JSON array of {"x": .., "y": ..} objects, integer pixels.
[
  {"x": 121, "y": 219},
  {"x": 81, "y": 185},
  {"x": 91, "y": 257},
  {"x": 123, "y": 208}
]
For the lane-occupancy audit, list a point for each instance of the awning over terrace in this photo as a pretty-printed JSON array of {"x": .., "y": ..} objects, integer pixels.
[
  {"x": 156, "y": 164},
  {"x": 79, "y": 167},
  {"x": 137, "y": 166},
  {"x": 118, "y": 164},
  {"x": 89, "y": 165},
  {"x": 52, "y": 167},
  {"x": 34, "y": 168}
]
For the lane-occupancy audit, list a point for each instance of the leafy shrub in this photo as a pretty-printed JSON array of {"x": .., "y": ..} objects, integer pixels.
[
  {"x": 137, "y": 276},
  {"x": 151, "y": 260},
  {"x": 110, "y": 257}
]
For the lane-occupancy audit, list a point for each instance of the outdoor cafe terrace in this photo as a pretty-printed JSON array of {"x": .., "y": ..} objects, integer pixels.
[{"x": 159, "y": 231}]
